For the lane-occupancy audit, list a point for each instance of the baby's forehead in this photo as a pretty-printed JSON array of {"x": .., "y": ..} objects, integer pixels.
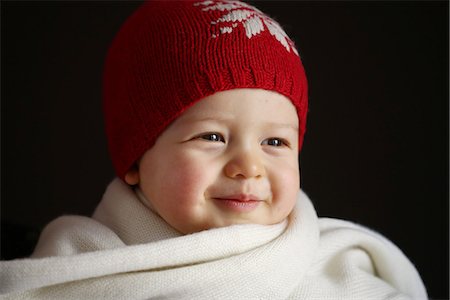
[{"x": 244, "y": 105}]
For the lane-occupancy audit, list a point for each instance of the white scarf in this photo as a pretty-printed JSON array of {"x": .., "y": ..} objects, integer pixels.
[{"x": 125, "y": 251}]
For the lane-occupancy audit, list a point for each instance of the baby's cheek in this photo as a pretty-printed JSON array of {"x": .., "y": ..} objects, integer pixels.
[
  {"x": 287, "y": 185},
  {"x": 185, "y": 207},
  {"x": 188, "y": 182}
]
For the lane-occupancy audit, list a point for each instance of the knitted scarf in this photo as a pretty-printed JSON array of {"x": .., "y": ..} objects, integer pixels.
[{"x": 126, "y": 251}]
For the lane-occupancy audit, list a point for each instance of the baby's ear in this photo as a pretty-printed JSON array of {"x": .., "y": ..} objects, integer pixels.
[{"x": 132, "y": 176}]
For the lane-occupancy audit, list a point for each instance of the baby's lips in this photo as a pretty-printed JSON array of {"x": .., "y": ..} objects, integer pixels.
[{"x": 241, "y": 197}]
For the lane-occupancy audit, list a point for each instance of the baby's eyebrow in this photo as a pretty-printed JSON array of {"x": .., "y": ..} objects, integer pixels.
[
  {"x": 224, "y": 118},
  {"x": 283, "y": 125},
  {"x": 207, "y": 119}
]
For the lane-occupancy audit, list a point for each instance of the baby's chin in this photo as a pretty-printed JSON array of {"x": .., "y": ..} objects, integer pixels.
[{"x": 194, "y": 228}]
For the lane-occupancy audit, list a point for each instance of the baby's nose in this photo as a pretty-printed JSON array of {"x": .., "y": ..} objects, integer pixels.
[{"x": 245, "y": 164}]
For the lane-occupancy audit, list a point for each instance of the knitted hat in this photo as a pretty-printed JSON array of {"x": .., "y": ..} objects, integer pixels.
[{"x": 170, "y": 54}]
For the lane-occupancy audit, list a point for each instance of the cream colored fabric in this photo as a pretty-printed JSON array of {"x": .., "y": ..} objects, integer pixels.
[{"x": 125, "y": 251}]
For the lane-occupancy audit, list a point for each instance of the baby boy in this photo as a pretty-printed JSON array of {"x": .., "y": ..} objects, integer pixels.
[{"x": 205, "y": 110}]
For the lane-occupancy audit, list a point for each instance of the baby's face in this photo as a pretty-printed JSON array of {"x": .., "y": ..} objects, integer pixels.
[{"x": 232, "y": 158}]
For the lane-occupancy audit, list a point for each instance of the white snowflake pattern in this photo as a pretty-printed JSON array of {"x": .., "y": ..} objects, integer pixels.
[{"x": 252, "y": 19}]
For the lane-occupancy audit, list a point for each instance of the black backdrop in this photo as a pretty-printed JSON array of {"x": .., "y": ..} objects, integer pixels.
[{"x": 376, "y": 149}]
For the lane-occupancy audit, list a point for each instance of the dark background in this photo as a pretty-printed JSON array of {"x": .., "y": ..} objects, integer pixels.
[{"x": 376, "y": 149}]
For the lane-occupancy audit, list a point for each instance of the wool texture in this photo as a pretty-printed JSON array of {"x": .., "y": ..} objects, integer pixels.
[
  {"x": 126, "y": 251},
  {"x": 170, "y": 54}
]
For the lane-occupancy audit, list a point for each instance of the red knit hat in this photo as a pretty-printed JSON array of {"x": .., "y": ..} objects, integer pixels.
[{"x": 170, "y": 54}]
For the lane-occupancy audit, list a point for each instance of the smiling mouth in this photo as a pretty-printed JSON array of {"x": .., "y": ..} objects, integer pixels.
[{"x": 239, "y": 203}]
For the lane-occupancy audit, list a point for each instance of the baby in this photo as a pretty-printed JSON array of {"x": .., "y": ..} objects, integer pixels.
[{"x": 205, "y": 110}]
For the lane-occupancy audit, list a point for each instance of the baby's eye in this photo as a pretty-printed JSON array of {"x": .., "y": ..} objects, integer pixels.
[
  {"x": 275, "y": 142},
  {"x": 213, "y": 137}
]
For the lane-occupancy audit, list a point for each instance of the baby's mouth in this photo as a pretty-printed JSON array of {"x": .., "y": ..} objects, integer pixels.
[{"x": 241, "y": 203}]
